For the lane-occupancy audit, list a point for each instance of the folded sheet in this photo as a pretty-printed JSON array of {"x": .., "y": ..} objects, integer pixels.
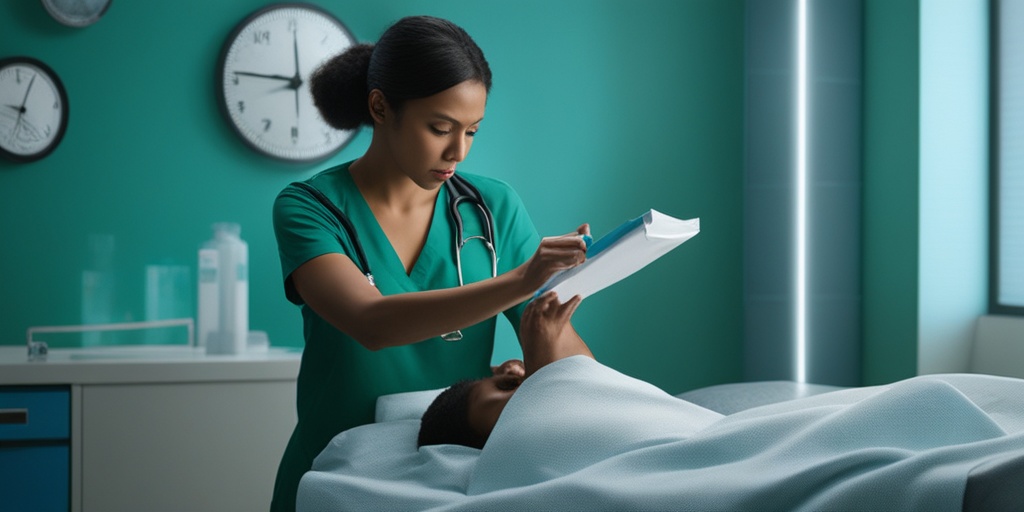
[{"x": 580, "y": 436}]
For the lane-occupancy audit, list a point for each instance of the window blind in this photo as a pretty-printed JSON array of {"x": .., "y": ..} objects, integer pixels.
[{"x": 1008, "y": 277}]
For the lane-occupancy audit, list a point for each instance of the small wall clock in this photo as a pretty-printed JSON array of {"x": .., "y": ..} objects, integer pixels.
[
  {"x": 263, "y": 75},
  {"x": 33, "y": 109},
  {"x": 77, "y": 13}
]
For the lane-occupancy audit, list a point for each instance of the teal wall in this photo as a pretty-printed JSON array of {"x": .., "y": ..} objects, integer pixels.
[
  {"x": 600, "y": 109},
  {"x": 891, "y": 184}
]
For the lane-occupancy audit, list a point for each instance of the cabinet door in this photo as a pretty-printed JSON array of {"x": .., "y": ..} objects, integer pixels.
[
  {"x": 174, "y": 447},
  {"x": 34, "y": 453},
  {"x": 34, "y": 478}
]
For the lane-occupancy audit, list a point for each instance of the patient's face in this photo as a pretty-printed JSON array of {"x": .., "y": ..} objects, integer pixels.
[{"x": 488, "y": 399}]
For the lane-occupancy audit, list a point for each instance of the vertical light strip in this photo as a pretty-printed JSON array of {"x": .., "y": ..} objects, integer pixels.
[{"x": 800, "y": 306}]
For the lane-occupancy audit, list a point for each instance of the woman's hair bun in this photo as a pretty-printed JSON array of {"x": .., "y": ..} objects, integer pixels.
[
  {"x": 416, "y": 57},
  {"x": 339, "y": 88}
]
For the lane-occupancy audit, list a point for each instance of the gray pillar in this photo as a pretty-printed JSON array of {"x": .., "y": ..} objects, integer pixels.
[{"x": 830, "y": 296}]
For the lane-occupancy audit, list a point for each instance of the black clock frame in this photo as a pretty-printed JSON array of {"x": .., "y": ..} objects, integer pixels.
[{"x": 66, "y": 109}]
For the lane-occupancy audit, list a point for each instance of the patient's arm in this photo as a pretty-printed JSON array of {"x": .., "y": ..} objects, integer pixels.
[{"x": 545, "y": 333}]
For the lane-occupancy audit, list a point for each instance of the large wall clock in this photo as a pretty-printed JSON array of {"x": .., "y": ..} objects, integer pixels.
[
  {"x": 263, "y": 76},
  {"x": 33, "y": 109}
]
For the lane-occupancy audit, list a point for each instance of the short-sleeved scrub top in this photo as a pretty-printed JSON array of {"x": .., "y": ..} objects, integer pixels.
[{"x": 339, "y": 379}]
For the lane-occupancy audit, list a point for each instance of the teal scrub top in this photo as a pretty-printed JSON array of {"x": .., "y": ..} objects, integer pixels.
[{"x": 339, "y": 380}]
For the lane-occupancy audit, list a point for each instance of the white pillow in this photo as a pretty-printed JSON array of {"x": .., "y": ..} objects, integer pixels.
[{"x": 404, "y": 406}]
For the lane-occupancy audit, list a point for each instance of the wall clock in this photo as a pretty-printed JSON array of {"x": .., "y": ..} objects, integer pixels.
[
  {"x": 33, "y": 109},
  {"x": 76, "y": 13},
  {"x": 263, "y": 75}
]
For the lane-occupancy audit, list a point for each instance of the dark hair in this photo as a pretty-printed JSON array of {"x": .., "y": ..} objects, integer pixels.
[
  {"x": 446, "y": 421},
  {"x": 418, "y": 56}
]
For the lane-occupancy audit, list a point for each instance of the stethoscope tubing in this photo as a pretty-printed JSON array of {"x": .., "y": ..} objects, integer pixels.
[
  {"x": 363, "y": 263},
  {"x": 459, "y": 191}
]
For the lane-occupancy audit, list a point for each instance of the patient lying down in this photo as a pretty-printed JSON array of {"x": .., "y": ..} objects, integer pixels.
[
  {"x": 564, "y": 432},
  {"x": 466, "y": 412}
]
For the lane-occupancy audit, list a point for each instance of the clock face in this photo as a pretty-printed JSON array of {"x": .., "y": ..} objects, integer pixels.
[
  {"x": 263, "y": 86},
  {"x": 33, "y": 109}
]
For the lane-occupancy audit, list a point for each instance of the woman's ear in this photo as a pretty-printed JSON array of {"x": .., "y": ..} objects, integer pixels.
[{"x": 378, "y": 106}]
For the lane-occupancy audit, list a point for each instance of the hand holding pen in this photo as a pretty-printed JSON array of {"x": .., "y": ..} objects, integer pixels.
[{"x": 556, "y": 253}]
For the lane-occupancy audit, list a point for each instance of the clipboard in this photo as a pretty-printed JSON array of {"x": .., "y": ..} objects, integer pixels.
[{"x": 622, "y": 252}]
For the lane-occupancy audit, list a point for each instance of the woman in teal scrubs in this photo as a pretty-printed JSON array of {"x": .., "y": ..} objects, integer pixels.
[{"x": 423, "y": 88}]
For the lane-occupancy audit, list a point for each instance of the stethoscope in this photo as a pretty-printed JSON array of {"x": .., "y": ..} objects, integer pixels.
[{"x": 459, "y": 191}]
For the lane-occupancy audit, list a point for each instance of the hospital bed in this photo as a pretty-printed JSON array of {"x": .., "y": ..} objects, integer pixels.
[
  {"x": 938, "y": 442},
  {"x": 991, "y": 487}
]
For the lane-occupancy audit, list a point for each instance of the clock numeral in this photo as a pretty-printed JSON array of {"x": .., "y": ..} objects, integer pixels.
[
  {"x": 266, "y": 124},
  {"x": 261, "y": 37},
  {"x": 292, "y": 25},
  {"x": 241, "y": 106},
  {"x": 295, "y": 134}
]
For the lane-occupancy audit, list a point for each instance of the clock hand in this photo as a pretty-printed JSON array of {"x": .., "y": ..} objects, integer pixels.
[
  {"x": 297, "y": 81},
  {"x": 27, "y": 90},
  {"x": 295, "y": 46},
  {"x": 20, "y": 109},
  {"x": 261, "y": 75}
]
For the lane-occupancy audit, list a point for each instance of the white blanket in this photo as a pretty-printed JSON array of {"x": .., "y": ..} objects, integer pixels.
[{"x": 578, "y": 435}]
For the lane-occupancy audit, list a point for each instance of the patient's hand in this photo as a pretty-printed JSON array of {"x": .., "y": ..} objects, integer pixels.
[
  {"x": 544, "y": 318},
  {"x": 510, "y": 367},
  {"x": 544, "y": 331}
]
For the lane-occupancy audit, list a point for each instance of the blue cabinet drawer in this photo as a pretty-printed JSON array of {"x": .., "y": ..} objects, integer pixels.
[{"x": 34, "y": 413}]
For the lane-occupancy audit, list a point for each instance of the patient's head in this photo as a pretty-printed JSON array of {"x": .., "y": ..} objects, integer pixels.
[{"x": 466, "y": 412}]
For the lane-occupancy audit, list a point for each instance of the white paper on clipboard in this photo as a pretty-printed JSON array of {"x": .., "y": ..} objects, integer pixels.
[{"x": 625, "y": 250}]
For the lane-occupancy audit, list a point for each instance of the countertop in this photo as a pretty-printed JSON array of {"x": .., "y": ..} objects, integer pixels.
[{"x": 144, "y": 364}]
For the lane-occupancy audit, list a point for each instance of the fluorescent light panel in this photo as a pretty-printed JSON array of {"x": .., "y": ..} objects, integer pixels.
[{"x": 800, "y": 304}]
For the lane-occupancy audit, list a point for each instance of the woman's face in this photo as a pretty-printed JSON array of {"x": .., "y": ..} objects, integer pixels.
[{"x": 431, "y": 135}]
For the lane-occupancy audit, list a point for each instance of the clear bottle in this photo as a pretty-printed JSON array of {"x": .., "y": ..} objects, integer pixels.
[{"x": 223, "y": 315}]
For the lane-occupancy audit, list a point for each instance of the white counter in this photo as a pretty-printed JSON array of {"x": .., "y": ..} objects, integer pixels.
[{"x": 144, "y": 364}]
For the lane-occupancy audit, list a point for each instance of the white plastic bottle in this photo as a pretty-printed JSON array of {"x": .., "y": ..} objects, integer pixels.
[
  {"x": 224, "y": 291},
  {"x": 208, "y": 303}
]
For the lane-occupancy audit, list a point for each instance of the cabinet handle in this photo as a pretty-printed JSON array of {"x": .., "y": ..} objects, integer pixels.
[{"x": 13, "y": 416}]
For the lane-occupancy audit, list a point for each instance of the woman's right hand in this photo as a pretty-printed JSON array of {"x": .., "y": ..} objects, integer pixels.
[{"x": 555, "y": 253}]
